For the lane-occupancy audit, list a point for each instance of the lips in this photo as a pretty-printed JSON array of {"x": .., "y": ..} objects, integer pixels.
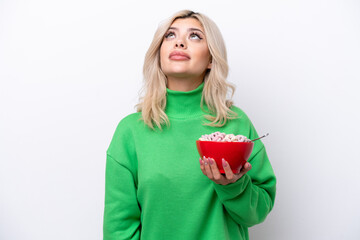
[{"x": 177, "y": 55}]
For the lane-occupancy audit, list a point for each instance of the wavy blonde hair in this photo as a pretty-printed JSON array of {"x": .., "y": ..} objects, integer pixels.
[{"x": 152, "y": 104}]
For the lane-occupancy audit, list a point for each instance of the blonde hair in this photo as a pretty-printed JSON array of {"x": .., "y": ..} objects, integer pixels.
[{"x": 153, "y": 103}]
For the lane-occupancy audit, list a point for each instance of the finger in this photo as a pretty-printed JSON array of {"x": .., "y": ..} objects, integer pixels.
[
  {"x": 202, "y": 167},
  {"x": 207, "y": 168},
  {"x": 228, "y": 172},
  {"x": 247, "y": 167},
  {"x": 214, "y": 169}
]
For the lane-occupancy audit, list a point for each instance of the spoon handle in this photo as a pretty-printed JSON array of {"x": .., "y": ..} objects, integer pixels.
[{"x": 260, "y": 137}]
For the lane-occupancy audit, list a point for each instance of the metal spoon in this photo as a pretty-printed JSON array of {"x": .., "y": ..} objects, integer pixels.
[{"x": 260, "y": 137}]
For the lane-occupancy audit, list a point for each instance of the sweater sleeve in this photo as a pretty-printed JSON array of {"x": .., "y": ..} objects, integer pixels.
[
  {"x": 251, "y": 198},
  {"x": 121, "y": 211}
]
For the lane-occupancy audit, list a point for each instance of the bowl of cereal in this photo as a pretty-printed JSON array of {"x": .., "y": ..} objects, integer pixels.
[{"x": 235, "y": 149}]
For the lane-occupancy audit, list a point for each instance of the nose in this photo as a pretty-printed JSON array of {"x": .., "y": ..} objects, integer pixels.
[{"x": 180, "y": 44}]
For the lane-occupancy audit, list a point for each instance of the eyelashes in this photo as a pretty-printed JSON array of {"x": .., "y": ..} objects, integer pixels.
[
  {"x": 196, "y": 34},
  {"x": 167, "y": 35},
  {"x": 170, "y": 33}
]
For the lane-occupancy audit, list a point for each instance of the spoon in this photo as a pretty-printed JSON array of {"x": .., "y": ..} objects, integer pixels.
[{"x": 260, "y": 137}]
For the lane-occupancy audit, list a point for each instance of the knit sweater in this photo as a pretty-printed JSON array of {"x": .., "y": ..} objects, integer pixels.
[{"x": 154, "y": 187}]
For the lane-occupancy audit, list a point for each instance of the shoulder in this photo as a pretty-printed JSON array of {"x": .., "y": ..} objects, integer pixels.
[
  {"x": 243, "y": 120},
  {"x": 241, "y": 115},
  {"x": 247, "y": 127},
  {"x": 124, "y": 132},
  {"x": 130, "y": 120},
  {"x": 126, "y": 125}
]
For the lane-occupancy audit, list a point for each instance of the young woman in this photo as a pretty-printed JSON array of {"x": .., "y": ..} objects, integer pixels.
[{"x": 155, "y": 186}]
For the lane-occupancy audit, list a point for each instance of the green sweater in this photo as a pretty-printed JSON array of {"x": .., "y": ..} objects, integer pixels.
[{"x": 155, "y": 188}]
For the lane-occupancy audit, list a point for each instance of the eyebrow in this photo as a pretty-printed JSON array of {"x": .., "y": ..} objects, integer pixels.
[{"x": 189, "y": 29}]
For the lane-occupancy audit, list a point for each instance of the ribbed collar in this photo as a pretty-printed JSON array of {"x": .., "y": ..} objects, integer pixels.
[{"x": 184, "y": 104}]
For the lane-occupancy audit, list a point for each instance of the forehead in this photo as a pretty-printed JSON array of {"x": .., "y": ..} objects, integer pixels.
[{"x": 187, "y": 23}]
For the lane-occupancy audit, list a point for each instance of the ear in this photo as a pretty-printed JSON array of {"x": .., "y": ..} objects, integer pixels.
[{"x": 210, "y": 64}]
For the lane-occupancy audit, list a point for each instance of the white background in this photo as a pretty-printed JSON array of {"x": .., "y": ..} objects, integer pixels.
[{"x": 71, "y": 69}]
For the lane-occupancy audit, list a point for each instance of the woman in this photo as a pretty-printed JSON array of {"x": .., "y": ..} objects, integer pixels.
[{"x": 155, "y": 187}]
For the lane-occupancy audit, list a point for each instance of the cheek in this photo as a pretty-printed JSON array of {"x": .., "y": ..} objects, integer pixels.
[
  {"x": 163, "y": 51},
  {"x": 162, "y": 55},
  {"x": 204, "y": 54}
]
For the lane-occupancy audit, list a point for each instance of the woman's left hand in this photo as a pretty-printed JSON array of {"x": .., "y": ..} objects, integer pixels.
[{"x": 209, "y": 168}]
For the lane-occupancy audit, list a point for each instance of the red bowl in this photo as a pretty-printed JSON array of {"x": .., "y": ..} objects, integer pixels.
[{"x": 235, "y": 153}]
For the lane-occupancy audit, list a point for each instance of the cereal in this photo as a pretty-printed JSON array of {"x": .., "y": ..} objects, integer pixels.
[{"x": 222, "y": 137}]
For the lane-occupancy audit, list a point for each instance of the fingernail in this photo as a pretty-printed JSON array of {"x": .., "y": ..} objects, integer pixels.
[
  {"x": 200, "y": 161},
  {"x": 224, "y": 163},
  {"x": 211, "y": 161},
  {"x": 206, "y": 162}
]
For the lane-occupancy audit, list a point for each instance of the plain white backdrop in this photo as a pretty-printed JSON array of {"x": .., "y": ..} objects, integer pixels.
[{"x": 71, "y": 70}]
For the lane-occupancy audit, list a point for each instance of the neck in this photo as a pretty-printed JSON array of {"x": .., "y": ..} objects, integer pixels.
[
  {"x": 185, "y": 104},
  {"x": 183, "y": 84}
]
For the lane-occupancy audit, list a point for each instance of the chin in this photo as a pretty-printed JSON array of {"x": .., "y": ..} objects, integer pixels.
[{"x": 177, "y": 72}]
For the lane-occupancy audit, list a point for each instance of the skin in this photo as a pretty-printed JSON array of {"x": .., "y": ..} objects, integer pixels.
[
  {"x": 188, "y": 36},
  {"x": 210, "y": 169}
]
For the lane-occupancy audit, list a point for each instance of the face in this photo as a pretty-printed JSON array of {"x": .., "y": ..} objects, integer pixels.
[{"x": 184, "y": 52}]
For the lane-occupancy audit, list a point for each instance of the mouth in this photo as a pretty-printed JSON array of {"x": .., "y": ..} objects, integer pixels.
[{"x": 177, "y": 55}]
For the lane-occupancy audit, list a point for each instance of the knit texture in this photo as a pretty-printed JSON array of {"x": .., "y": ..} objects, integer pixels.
[{"x": 155, "y": 189}]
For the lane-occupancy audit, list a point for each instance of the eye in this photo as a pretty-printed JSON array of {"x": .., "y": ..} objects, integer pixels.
[
  {"x": 195, "y": 35},
  {"x": 169, "y": 35}
]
